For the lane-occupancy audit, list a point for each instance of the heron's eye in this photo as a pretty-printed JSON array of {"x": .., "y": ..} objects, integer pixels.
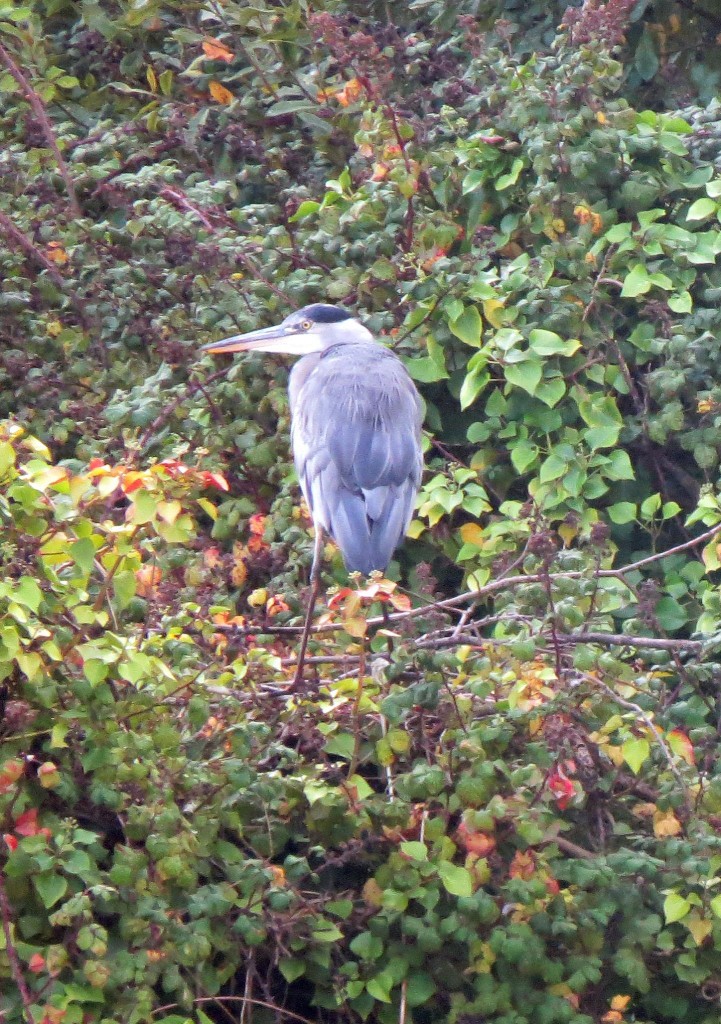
[{"x": 306, "y": 325}]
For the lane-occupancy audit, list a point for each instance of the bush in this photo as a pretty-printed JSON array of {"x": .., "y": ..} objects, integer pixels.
[{"x": 507, "y": 809}]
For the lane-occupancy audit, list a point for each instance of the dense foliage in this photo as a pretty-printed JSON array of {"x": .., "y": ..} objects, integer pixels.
[{"x": 502, "y": 802}]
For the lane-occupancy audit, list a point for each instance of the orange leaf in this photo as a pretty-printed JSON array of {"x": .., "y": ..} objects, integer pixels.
[
  {"x": 147, "y": 579},
  {"x": 350, "y": 92},
  {"x": 36, "y": 963},
  {"x": 523, "y": 865},
  {"x": 275, "y": 606},
  {"x": 56, "y": 253},
  {"x": 479, "y": 843},
  {"x": 220, "y": 94},
  {"x": 256, "y": 524},
  {"x": 620, "y": 1002},
  {"x": 215, "y": 50}
]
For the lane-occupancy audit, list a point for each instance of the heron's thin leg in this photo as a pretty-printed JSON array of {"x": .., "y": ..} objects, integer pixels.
[{"x": 314, "y": 590}]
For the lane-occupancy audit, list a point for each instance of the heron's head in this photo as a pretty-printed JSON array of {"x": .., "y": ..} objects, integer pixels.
[{"x": 310, "y": 329}]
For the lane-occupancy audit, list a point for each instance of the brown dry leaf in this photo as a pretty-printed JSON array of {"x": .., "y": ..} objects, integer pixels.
[
  {"x": 220, "y": 94},
  {"x": 215, "y": 50},
  {"x": 147, "y": 579}
]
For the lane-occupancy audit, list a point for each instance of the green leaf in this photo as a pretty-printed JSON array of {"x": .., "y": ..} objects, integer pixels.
[
  {"x": 670, "y": 614},
  {"x": 421, "y": 987},
  {"x": 622, "y": 512},
  {"x": 380, "y": 987},
  {"x": 415, "y": 850},
  {"x": 456, "y": 880},
  {"x": 551, "y": 391},
  {"x": 506, "y": 180},
  {"x": 82, "y": 553},
  {"x": 523, "y": 455},
  {"x": 50, "y": 887},
  {"x": 468, "y": 326},
  {"x": 473, "y": 383},
  {"x": 637, "y": 282},
  {"x": 702, "y": 209},
  {"x": 715, "y": 905},
  {"x": 681, "y": 303},
  {"x": 526, "y": 375},
  {"x": 675, "y": 907},
  {"x": 291, "y": 969},
  {"x": 646, "y": 59},
  {"x": 548, "y": 343},
  {"x": 635, "y": 752},
  {"x": 27, "y": 593}
]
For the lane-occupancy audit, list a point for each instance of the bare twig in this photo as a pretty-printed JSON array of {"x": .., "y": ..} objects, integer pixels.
[
  {"x": 47, "y": 129},
  {"x": 280, "y": 1010}
]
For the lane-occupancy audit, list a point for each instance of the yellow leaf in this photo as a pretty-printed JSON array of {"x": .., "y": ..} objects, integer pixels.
[
  {"x": 208, "y": 507},
  {"x": 699, "y": 927},
  {"x": 54, "y": 328},
  {"x": 568, "y": 533},
  {"x": 215, "y": 50},
  {"x": 491, "y": 312},
  {"x": 620, "y": 1002},
  {"x": 472, "y": 533},
  {"x": 355, "y": 626},
  {"x": 152, "y": 79},
  {"x": 372, "y": 893},
  {"x": 257, "y": 598},
  {"x": 169, "y": 510},
  {"x": 220, "y": 94},
  {"x": 665, "y": 823}
]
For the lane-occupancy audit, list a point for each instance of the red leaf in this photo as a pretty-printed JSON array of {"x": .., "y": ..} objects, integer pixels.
[
  {"x": 10, "y": 841},
  {"x": 561, "y": 787},
  {"x": 215, "y": 480},
  {"x": 27, "y": 823},
  {"x": 339, "y": 598}
]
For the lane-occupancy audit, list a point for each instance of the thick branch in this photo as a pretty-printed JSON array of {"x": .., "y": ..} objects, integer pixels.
[{"x": 39, "y": 110}]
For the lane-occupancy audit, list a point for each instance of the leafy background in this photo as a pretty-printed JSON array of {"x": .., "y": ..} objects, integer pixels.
[{"x": 509, "y": 809}]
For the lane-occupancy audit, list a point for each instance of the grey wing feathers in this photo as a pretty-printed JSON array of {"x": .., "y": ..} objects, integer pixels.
[{"x": 356, "y": 443}]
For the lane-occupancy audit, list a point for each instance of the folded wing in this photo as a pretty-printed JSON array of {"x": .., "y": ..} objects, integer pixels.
[{"x": 356, "y": 443}]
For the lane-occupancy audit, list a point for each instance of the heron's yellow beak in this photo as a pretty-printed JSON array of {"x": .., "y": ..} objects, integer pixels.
[{"x": 285, "y": 340}]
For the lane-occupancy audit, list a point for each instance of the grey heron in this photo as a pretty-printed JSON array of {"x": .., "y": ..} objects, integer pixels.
[{"x": 355, "y": 433}]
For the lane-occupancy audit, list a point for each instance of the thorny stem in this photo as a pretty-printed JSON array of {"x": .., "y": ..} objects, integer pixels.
[
  {"x": 16, "y": 236},
  {"x": 39, "y": 110},
  {"x": 11, "y": 953}
]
